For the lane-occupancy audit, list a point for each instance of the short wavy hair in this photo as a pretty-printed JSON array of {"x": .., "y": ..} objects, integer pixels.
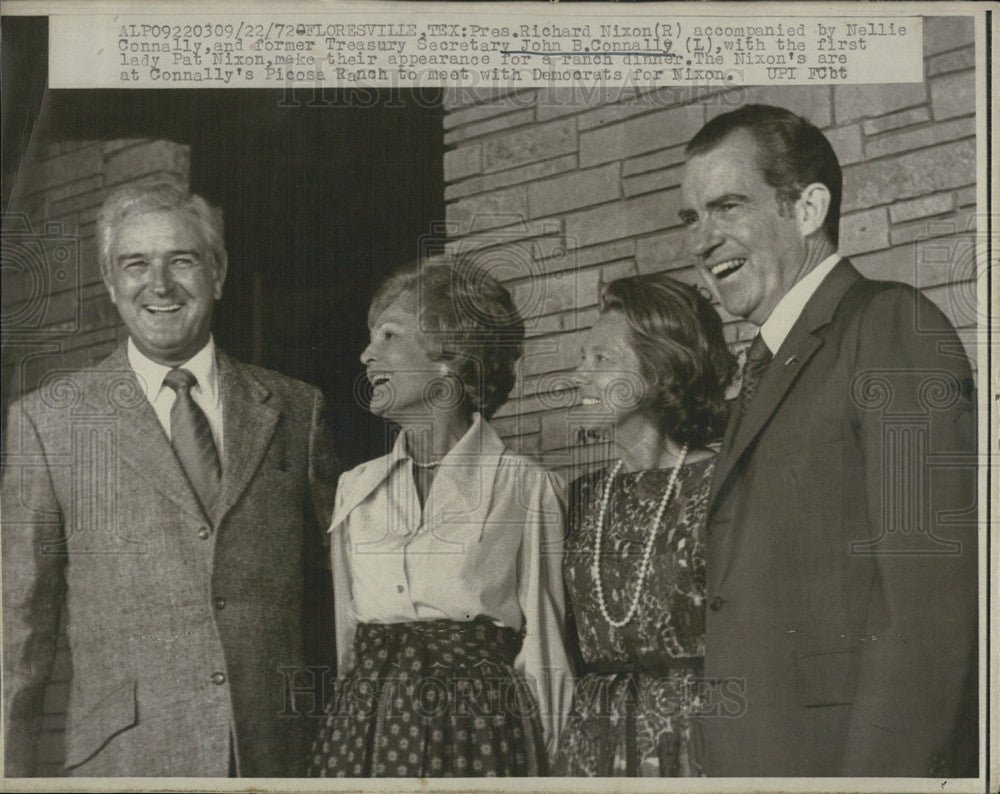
[
  {"x": 131, "y": 200},
  {"x": 468, "y": 319},
  {"x": 677, "y": 336},
  {"x": 792, "y": 153}
]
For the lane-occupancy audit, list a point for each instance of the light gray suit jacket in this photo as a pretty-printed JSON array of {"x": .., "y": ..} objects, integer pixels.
[{"x": 181, "y": 626}]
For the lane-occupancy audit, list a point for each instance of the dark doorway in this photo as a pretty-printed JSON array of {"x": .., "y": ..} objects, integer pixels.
[{"x": 324, "y": 196}]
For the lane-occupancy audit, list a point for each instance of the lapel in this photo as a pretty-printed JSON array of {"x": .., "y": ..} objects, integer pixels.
[
  {"x": 142, "y": 442},
  {"x": 248, "y": 426},
  {"x": 799, "y": 346}
]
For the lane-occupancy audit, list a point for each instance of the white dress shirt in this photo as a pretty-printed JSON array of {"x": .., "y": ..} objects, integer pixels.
[
  {"x": 205, "y": 393},
  {"x": 776, "y": 327},
  {"x": 487, "y": 542}
]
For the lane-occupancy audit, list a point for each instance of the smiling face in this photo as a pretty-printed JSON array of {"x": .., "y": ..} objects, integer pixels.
[
  {"x": 162, "y": 279},
  {"x": 609, "y": 379},
  {"x": 404, "y": 379},
  {"x": 748, "y": 246}
]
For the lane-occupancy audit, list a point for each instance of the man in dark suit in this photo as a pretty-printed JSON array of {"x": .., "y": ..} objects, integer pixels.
[
  {"x": 169, "y": 503},
  {"x": 842, "y": 526}
]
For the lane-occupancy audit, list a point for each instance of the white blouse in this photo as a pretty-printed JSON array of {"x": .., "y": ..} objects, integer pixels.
[{"x": 488, "y": 542}]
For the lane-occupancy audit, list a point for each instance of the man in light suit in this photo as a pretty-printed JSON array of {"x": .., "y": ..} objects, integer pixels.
[
  {"x": 169, "y": 503},
  {"x": 842, "y": 525}
]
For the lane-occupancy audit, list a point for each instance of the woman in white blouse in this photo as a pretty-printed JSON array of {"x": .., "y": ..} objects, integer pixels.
[{"x": 446, "y": 553}]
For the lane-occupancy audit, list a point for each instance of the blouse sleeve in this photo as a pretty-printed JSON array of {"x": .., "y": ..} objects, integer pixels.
[
  {"x": 543, "y": 659},
  {"x": 344, "y": 621},
  {"x": 343, "y": 616}
]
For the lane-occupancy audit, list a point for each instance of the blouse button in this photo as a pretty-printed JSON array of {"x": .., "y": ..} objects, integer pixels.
[{"x": 399, "y": 588}]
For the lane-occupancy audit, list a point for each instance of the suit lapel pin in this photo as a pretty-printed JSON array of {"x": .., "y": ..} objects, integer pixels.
[{"x": 791, "y": 360}]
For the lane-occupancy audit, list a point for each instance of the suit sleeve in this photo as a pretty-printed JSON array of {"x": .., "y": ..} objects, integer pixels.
[
  {"x": 915, "y": 413},
  {"x": 324, "y": 468},
  {"x": 320, "y": 601},
  {"x": 34, "y": 588}
]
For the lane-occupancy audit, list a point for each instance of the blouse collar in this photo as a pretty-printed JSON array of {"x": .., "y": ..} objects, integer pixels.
[{"x": 477, "y": 453}]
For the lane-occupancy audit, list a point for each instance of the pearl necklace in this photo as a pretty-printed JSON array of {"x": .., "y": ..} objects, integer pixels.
[
  {"x": 431, "y": 465},
  {"x": 595, "y": 568}
]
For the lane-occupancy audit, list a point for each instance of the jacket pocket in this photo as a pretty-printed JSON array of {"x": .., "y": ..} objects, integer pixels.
[
  {"x": 92, "y": 728},
  {"x": 828, "y": 677}
]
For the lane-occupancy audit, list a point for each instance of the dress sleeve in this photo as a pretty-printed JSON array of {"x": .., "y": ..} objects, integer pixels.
[{"x": 543, "y": 660}]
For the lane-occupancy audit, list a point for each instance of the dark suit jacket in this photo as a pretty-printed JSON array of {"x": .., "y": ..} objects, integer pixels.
[
  {"x": 179, "y": 624},
  {"x": 842, "y": 545}
]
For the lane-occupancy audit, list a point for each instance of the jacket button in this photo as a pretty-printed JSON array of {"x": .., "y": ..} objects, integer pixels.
[
  {"x": 220, "y": 603},
  {"x": 399, "y": 588},
  {"x": 204, "y": 533},
  {"x": 716, "y": 604},
  {"x": 218, "y": 678}
]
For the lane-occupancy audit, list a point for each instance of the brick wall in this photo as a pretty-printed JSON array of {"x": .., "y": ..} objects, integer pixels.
[
  {"x": 556, "y": 190},
  {"x": 55, "y": 308},
  {"x": 56, "y": 312}
]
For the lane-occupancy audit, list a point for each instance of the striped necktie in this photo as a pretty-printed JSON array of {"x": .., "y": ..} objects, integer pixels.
[
  {"x": 191, "y": 438},
  {"x": 758, "y": 357}
]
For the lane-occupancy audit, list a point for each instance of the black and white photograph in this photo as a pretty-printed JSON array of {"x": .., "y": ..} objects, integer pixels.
[{"x": 533, "y": 391}]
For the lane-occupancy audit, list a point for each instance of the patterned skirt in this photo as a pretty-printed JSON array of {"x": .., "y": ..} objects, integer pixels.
[
  {"x": 435, "y": 698},
  {"x": 634, "y": 724}
]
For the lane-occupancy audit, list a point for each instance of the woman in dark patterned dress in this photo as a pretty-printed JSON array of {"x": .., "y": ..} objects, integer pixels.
[{"x": 654, "y": 374}]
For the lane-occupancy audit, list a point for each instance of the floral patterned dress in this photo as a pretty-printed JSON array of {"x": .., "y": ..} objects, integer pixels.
[{"x": 638, "y": 692}]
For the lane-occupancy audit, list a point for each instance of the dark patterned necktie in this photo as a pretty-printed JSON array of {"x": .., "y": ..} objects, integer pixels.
[
  {"x": 758, "y": 357},
  {"x": 191, "y": 438}
]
